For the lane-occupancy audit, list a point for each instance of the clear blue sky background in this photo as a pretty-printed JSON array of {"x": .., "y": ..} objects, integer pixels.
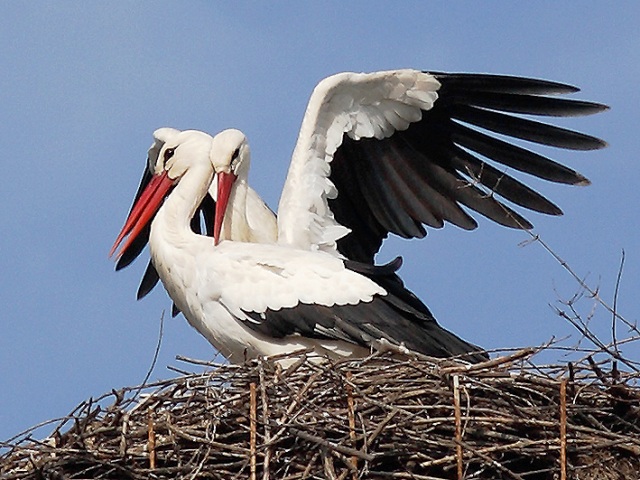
[{"x": 83, "y": 85}]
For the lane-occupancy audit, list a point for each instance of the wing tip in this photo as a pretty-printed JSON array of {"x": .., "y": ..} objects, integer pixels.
[
  {"x": 600, "y": 144},
  {"x": 505, "y": 83},
  {"x": 582, "y": 182}
]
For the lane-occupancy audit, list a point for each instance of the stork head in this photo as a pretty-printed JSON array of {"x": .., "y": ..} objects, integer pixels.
[
  {"x": 172, "y": 154},
  {"x": 230, "y": 157}
]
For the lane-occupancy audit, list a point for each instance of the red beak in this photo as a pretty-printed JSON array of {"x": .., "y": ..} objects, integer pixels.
[
  {"x": 225, "y": 182},
  {"x": 143, "y": 211}
]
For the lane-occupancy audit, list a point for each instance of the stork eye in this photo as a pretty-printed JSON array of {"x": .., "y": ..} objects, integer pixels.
[
  {"x": 236, "y": 154},
  {"x": 168, "y": 153}
]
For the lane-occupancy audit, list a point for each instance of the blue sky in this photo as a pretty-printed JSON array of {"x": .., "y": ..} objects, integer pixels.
[{"x": 84, "y": 84}]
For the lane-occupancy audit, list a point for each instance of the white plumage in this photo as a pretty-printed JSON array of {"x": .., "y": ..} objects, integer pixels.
[
  {"x": 361, "y": 106},
  {"x": 380, "y": 153}
]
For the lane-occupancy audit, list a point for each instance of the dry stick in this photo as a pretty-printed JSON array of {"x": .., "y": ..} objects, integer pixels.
[
  {"x": 307, "y": 469},
  {"x": 229, "y": 449},
  {"x": 123, "y": 435},
  {"x": 151, "y": 441},
  {"x": 201, "y": 465},
  {"x": 352, "y": 424},
  {"x": 265, "y": 422},
  {"x": 156, "y": 353},
  {"x": 346, "y": 461},
  {"x": 490, "y": 364},
  {"x": 253, "y": 418},
  {"x": 62, "y": 421},
  {"x": 196, "y": 361},
  {"x": 293, "y": 405},
  {"x": 624, "y": 341},
  {"x": 593, "y": 293},
  {"x": 381, "y": 426},
  {"x": 563, "y": 429},
  {"x": 331, "y": 445},
  {"x": 327, "y": 462},
  {"x": 344, "y": 474},
  {"x": 458, "y": 420},
  {"x": 615, "y": 303},
  {"x": 511, "y": 447},
  {"x": 586, "y": 333},
  {"x": 496, "y": 464}
]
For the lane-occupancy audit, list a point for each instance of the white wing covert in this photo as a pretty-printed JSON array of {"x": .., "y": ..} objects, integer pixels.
[
  {"x": 318, "y": 296},
  {"x": 360, "y": 105}
]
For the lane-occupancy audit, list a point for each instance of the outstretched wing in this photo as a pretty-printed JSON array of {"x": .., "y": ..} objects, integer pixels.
[{"x": 391, "y": 152}]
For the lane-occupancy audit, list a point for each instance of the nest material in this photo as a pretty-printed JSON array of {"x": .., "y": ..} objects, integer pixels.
[{"x": 378, "y": 417}]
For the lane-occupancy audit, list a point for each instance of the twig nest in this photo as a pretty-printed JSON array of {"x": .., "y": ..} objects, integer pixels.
[{"x": 379, "y": 417}]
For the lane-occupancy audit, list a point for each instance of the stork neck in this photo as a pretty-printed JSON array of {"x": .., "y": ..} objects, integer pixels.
[
  {"x": 235, "y": 225},
  {"x": 175, "y": 215}
]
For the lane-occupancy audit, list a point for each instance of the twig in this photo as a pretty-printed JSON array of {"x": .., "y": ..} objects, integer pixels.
[
  {"x": 329, "y": 471},
  {"x": 265, "y": 422},
  {"x": 156, "y": 353},
  {"x": 614, "y": 337},
  {"x": 458, "y": 427},
  {"x": 326, "y": 443},
  {"x": 151, "y": 441},
  {"x": 381, "y": 426},
  {"x": 594, "y": 294},
  {"x": 563, "y": 429},
  {"x": 497, "y": 464},
  {"x": 123, "y": 435},
  {"x": 253, "y": 418},
  {"x": 490, "y": 364},
  {"x": 352, "y": 423},
  {"x": 195, "y": 361}
]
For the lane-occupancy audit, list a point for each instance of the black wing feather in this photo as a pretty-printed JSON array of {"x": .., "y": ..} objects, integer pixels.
[
  {"x": 527, "y": 104},
  {"x": 514, "y": 156},
  {"x": 525, "y": 129},
  {"x": 149, "y": 280},
  {"x": 409, "y": 169},
  {"x": 448, "y": 159},
  {"x": 387, "y": 207},
  {"x": 350, "y": 210},
  {"x": 477, "y": 82},
  {"x": 499, "y": 182}
]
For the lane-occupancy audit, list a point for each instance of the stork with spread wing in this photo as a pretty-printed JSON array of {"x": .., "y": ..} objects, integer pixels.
[{"x": 386, "y": 152}]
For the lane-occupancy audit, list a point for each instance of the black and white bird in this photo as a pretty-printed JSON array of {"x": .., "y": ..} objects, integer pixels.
[
  {"x": 379, "y": 153},
  {"x": 259, "y": 220}
]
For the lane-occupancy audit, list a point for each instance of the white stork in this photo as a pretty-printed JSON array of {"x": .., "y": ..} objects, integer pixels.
[
  {"x": 387, "y": 152},
  {"x": 258, "y": 222}
]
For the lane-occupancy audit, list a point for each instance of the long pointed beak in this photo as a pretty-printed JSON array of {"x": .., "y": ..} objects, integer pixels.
[
  {"x": 143, "y": 210},
  {"x": 134, "y": 250},
  {"x": 225, "y": 182}
]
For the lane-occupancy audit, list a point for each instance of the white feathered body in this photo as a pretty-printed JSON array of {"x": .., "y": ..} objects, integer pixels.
[{"x": 214, "y": 286}]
